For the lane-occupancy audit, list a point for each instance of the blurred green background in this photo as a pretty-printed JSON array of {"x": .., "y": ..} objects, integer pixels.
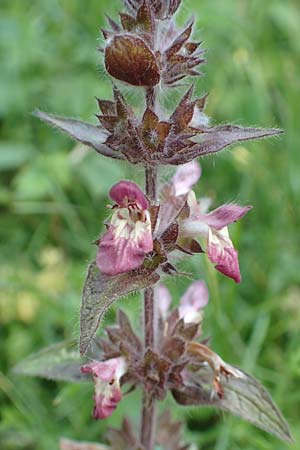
[{"x": 53, "y": 195}]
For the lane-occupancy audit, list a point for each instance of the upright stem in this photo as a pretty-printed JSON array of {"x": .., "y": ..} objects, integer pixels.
[
  {"x": 148, "y": 423},
  {"x": 150, "y": 98},
  {"x": 148, "y": 418},
  {"x": 149, "y": 318},
  {"x": 151, "y": 183}
]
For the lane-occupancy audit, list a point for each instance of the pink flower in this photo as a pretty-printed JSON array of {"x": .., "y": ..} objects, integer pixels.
[
  {"x": 123, "y": 247},
  {"x": 221, "y": 252},
  {"x": 163, "y": 299},
  {"x": 106, "y": 377},
  {"x": 211, "y": 226},
  {"x": 193, "y": 301},
  {"x": 185, "y": 177}
]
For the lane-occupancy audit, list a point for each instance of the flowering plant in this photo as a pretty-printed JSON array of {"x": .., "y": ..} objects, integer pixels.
[{"x": 147, "y": 232}]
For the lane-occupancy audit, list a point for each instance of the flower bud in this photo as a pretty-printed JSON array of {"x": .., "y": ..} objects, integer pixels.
[{"x": 129, "y": 59}]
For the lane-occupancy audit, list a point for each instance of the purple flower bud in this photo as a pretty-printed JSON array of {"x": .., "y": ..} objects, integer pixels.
[
  {"x": 106, "y": 377},
  {"x": 193, "y": 301},
  {"x": 123, "y": 247}
]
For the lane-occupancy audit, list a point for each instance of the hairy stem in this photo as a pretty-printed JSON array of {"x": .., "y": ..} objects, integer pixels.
[
  {"x": 148, "y": 407},
  {"x": 149, "y": 318},
  {"x": 148, "y": 419},
  {"x": 151, "y": 183},
  {"x": 148, "y": 423},
  {"x": 150, "y": 98}
]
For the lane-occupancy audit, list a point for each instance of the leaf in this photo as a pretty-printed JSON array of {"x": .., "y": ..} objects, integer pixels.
[
  {"x": 214, "y": 139},
  {"x": 247, "y": 398},
  {"x": 60, "y": 362},
  {"x": 83, "y": 132},
  {"x": 100, "y": 291},
  {"x": 243, "y": 396},
  {"x": 67, "y": 444}
]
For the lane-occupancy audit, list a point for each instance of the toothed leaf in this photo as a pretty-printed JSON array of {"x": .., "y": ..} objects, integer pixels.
[
  {"x": 100, "y": 291},
  {"x": 243, "y": 396}
]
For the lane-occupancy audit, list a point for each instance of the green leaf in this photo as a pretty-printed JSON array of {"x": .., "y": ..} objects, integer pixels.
[
  {"x": 60, "y": 362},
  {"x": 243, "y": 396},
  {"x": 247, "y": 398},
  {"x": 100, "y": 291}
]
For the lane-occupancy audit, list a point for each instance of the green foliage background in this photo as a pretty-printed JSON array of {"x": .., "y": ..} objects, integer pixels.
[{"x": 53, "y": 195}]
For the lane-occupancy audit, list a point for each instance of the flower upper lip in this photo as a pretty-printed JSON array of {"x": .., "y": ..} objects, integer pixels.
[{"x": 127, "y": 194}]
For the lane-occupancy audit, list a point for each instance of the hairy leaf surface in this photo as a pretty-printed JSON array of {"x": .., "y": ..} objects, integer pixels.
[
  {"x": 60, "y": 362},
  {"x": 243, "y": 396},
  {"x": 83, "y": 132},
  {"x": 100, "y": 291},
  {"x": 214, "y": 139}
]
